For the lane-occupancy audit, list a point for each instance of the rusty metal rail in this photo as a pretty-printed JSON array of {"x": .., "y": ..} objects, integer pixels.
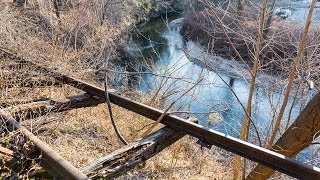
[
  {"x": 59, "y": 166},
  {"x": 255, "y": 153},
  {"x": 258, "y": 154}
]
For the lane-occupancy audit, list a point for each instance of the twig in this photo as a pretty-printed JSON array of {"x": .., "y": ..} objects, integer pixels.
[
  {"x": 109, "y": 104},
  {"x": 168, "y": 108}
]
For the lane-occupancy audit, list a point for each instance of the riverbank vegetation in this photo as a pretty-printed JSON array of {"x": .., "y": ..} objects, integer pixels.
[
  {"x": 222, "y": 32},
  {"x": 251, "y": 35},
  {"x": 77, "y": 38},
  {"x": 94, "y": 41}
]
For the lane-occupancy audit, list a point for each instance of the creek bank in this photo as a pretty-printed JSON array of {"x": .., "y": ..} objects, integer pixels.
[
  {"x": 230, "y": 67},
  {"x": 204, "y": 28},
  {"x": 141, "y": 23}
]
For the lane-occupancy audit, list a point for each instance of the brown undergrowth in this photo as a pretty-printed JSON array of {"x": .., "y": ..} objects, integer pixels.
[
  {"x": 217, "y": 28},
  {"x": 84, "y": 135},
  {"x": 76, "y": 44}
]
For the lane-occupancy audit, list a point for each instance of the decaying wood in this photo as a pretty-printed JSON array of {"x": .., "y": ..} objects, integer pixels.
[
  {"x": 6, "y": 155},
  {"x": 29, "y": 82},
  {"x": 298, "y": 136},
  {"x": 8, "y": 159},
  {"x": 40, "y": 108},
  {"x": 58, "y": 165},
  {"x": 14, "y": 102},
  {"x": 122, "y": 160}
]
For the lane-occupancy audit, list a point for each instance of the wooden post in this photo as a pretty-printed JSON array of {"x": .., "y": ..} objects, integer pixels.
[{"x": 122, "y": 160}]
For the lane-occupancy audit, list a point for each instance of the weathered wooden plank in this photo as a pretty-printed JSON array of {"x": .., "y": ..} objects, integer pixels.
[
  {"x": 13, "y": 102},
  {"x": 6, "y": 155},
  {"x": 123, "y": 160},
  {"x": 7, "y": 159},
  {"x": 29, "y": 82},
  {"x": 40, "y": 108},
  {"x": 56, "y": 162}
]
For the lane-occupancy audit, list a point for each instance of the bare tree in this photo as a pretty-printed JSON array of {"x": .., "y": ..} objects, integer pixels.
[{"x": 261, "y": 172}]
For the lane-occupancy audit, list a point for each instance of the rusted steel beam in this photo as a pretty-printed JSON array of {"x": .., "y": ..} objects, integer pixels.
[
  {"x": 55, "y": 161},
  {"x": 255, "y": 153},
  {"x": 36, "y": 108},
  {"x": 126, "y": 158}
]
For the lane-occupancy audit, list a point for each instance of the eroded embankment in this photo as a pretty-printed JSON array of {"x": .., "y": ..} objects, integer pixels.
[{"x": 225, "y": 34}]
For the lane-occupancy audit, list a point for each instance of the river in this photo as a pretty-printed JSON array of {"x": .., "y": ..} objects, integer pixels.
[{"x": 218, "y": 100}]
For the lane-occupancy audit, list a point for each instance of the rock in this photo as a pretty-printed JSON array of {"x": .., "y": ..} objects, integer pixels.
[{"x": 214, "y": 118}]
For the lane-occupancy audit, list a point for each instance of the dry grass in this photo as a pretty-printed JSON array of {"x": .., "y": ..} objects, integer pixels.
[
  {"x": 76, "y": 44},
  {"x": 84, "y": 135}
]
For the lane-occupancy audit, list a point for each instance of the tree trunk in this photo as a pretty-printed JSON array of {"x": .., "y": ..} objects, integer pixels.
[
  {"x": 292, "y": 73},
  {"x": 298, "y": 136},
  {"x": 303, "y": 131},
  {"x": 244, "y": 131}
]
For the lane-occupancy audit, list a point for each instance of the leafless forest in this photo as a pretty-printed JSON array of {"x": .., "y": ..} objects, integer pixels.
[{"x": 248, "y": 69}]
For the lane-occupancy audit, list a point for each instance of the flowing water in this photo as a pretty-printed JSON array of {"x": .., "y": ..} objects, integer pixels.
[{"x": 218, "y": 100}]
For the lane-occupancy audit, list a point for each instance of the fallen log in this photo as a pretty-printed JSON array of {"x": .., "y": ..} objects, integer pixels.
[
  {"x": 29, "y": 82},
  {"x": 58, "y": 167},
  {"x": 40, "y": 108},
  {"x": 123, "y": 160},
  {"x": 15, "y": 102}
]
